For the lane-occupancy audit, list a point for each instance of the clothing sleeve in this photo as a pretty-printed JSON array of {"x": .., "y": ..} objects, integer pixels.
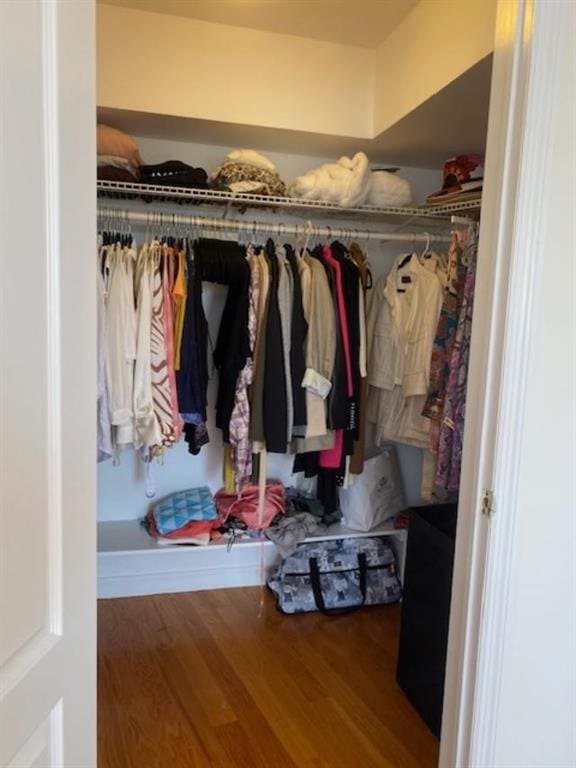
[
  {"x": 383, "y": 341},
  {"x": 304, "y": 271},
  {"x": 428, "y": 303},
  {"x": 362, "y": 316}
]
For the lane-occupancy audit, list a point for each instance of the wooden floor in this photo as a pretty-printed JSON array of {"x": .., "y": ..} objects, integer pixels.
[{"x": 201, "y": 679}]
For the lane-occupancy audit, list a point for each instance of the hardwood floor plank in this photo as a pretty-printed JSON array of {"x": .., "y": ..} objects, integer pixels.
[
  {"x": 186, "y": 622},
  {"x": 340, "y": 743},
  {"x": 275, "y": 695},
  {"x": 390, "y": 719},
  {"x": 154, "y": 729},
  {"x": 193, "y": 672},
  {"x": 212, "y": 680}
]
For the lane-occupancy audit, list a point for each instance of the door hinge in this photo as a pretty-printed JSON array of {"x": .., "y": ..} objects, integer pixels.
[{"x": 487, "y": 503}]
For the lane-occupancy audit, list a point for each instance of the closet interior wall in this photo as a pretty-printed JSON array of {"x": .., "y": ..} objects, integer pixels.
[{"x": 121, "y": 489}]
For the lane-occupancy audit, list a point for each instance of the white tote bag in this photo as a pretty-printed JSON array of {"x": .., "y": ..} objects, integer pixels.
[{"x": 376, "y": 496}]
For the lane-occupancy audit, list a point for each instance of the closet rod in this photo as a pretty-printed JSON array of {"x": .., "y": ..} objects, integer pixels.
[{"x": 160, "y": 219}]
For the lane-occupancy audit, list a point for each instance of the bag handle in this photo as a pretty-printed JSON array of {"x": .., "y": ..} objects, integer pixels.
[{"x": 317, "y": 587}]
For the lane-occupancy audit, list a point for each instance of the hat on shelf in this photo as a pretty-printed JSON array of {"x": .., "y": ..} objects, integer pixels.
[
  {"x": 244, "y": 170},
  {"x": 116, "y": 144},
  {"x": 463, "y": 178}
]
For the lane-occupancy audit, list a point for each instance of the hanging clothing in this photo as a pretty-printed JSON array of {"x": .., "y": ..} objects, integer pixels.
[
  {"x": 191, "y": 381},
  {"x": 257, "y": 390},
  {"x": 402, "y": 322},
  {"x": 104, "y": 447},
  {"x": 179, "y": 297},
  {"x": 357, "y": 458},
  {"x": 342, "y": 410},
  {"x": 121, "y": 340},
  {"x": 445, "y": 332},
  {"x": 351, "y": 287},
  {"x": 240, "y": 444},
  {"x": 224, "y": 262},
  {"x": 147, "y": 431},
  {"x": 342, "y": 315},
  {"x": 452, "y": 426},
  {"x": 161, "y": 394},
  {"x": 299, "y": 330},
  {"x": 168, "y": 281},
  {"x": 275, "y": 402},
  {"x": 285, "y": 301},
  {"x": 320, "y": 347}
]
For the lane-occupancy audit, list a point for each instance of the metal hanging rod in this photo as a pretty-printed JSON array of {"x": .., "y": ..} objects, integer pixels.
[{"x": 162, "y": 220}]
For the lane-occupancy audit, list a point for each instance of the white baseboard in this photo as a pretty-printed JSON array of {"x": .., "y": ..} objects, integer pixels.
[{"x": 127, "y": 574}]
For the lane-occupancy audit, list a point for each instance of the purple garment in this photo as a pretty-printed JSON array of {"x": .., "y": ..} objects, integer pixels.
[
  {"x": 452, "y": 425},
  {"x": 445, "y": 334}
]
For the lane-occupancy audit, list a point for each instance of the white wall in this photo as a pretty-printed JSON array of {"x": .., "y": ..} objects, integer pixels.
[
  {"x": 121, "y": 493},
  {"x": 434, "y": 44},
  {"x": 151, "y": 62},
  {"x": 241, "y": 76}
]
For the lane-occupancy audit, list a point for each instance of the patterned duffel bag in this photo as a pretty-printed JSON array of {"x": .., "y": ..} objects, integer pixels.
[{"x": 336, "y": 576}]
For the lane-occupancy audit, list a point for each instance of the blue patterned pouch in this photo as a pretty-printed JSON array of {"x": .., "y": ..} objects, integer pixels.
[{"x": 180, "y": 508}]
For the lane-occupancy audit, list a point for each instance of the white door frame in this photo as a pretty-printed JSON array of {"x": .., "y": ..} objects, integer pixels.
[{"x": 522, "y": 99}]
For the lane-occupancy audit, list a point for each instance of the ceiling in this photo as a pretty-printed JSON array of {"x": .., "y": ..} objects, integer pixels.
[
  {"x": 453, "y": 121},
  {"x": 364, "y": 23}
]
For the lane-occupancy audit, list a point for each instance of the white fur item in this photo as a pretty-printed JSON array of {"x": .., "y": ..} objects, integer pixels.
[
  {"x": 250, "y": 157},
  {"x": 346, "y": 182},
  {"x": 388, "y": 189}
]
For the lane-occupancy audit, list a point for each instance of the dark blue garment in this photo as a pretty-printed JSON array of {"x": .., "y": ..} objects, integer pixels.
[{"x": 192, "y": 378}]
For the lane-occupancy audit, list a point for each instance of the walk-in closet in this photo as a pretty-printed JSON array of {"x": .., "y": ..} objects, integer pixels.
[
  {"x": 287, "y": 414},
  {"x": 285, "y": 299}
]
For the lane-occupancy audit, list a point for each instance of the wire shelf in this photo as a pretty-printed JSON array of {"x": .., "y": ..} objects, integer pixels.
[{"x": 241, "y": 201}]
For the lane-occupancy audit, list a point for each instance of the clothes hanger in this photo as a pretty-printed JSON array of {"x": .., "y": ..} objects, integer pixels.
[
  {"x": 309, "y": 230},
  {"x": 296, "y": 239},
  {"x": 369, "y": 279},
  {"x": 426, "y": 253}
]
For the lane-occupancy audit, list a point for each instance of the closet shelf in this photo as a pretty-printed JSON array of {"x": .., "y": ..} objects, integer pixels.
[
  {"x": 244, "y": 200},
  {"x": 129, "y": 536}
]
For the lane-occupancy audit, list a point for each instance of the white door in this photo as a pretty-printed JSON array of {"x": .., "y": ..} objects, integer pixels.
[
  {"x": 510, "y": 693},
  {"x": 47, "y": 385}
]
